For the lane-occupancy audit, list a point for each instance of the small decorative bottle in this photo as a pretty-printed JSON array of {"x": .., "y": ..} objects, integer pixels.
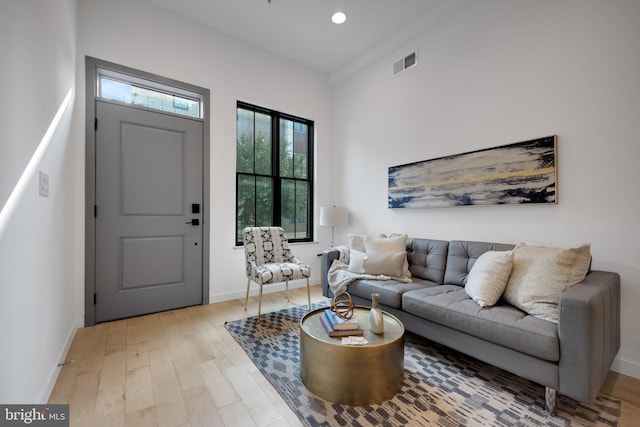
[{"x": 376, "y": 322}]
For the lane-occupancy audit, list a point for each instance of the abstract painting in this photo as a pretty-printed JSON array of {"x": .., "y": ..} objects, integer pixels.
[{"x": 520, "y": 173}]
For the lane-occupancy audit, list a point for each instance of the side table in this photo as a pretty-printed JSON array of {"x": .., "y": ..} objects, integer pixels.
[{"x": 352, "y": 375}]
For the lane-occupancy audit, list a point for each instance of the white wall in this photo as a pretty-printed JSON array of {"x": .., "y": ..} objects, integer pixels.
[
  {"x": 152, "y": 39},
  {"x": 37, "y": 234},
  {"x": 497, "y": 72}
]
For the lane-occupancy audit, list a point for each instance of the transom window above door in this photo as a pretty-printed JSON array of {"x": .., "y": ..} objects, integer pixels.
[{"x": 127, "y": 89}]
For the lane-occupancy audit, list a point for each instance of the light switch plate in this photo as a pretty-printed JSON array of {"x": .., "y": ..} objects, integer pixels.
[{"x": 44, "y": 184}]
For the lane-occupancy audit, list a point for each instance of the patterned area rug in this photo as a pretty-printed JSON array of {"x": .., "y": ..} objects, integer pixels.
[{"x": 442, "y": 387}]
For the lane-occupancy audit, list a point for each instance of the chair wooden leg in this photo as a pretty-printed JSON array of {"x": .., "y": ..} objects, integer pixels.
[
  {"x": 260, "y": 302},
  {"x": 286, "y": 284},
  {"x": 308, "y": 294},
  {"x": 246, "y": 298}
]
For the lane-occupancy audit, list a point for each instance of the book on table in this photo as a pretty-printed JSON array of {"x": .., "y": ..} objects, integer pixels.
[
  {"x": 338, "y": 323},
  {"x": 340, "y": 333}
]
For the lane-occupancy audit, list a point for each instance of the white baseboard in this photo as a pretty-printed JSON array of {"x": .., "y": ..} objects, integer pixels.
[
  {"x": 254, "y": 290},
  {"x": 626, "y": 367},
  {"x": 46, "y": 393}
]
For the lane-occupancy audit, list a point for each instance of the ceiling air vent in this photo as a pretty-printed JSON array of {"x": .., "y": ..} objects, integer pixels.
[{"x": 407, "y": 62}]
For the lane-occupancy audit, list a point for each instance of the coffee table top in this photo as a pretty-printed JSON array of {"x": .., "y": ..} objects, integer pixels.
[{"x": 393, "y": 328}]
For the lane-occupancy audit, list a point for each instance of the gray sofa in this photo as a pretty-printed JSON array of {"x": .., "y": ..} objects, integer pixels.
[{"x": 572, "y": 357}]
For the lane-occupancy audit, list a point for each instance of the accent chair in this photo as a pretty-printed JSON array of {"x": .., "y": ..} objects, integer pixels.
[{"x": 269, "y": 260}]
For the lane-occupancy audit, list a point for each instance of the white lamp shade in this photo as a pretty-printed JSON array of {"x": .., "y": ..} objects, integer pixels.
[{"x": 334, "y": 216}]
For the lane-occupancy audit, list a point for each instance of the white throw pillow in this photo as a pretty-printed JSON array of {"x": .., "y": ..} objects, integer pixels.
[
  {"x": 356, "y": 241},
  {"x": 385, "y": 245},
  {"x": 541, "y": 274},
  {"x": 376, "y": 264},
  {"x": 489, "y": 276},
  {"x": 393, "y": 244}
]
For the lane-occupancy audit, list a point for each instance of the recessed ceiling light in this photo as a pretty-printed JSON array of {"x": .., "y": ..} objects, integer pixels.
[{"x": 338, "y": 17}]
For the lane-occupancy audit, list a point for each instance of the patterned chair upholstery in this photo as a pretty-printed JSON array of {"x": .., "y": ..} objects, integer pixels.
[{"x": 269, "y": 260}]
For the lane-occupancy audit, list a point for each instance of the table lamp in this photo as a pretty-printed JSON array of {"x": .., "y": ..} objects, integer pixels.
[{"x": 333, "y": 217}]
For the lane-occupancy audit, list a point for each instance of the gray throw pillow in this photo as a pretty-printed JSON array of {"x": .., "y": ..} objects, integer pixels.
[{"x": 377, "y": 264}]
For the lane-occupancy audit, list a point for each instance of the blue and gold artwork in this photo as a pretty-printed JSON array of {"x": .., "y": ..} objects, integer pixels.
[{"x": 520, "y": 173}]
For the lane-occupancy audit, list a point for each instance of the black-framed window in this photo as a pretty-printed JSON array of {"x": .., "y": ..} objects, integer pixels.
[{"x": 274, "y": 172}]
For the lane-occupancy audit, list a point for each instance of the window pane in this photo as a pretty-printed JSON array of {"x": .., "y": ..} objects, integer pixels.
[
  {"x": 246, "y": 204},
  {"x": 300, "y": 150},
  {"x": 113, "y": 89},
  {"x": 264, "y": 201},
  {"x": 244, "y": 141},
  {"x": 263, "y": 144},
  {"x": 295, "y": 202},
  {"x": 146, "y": 97},
  {"x": 287, "y": 206},
  {"x": 302, "y": 199},
  {"x": 286, "y": 148},
  {"x": 265, "y": 137}
]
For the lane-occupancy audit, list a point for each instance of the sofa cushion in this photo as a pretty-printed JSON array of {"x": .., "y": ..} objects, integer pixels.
[
  {"x": 463, "y": 254},
  {"x": 501, "y": 324},
  {"x": 427, "y": 258},
  {"x": 540, "y": 275},
  {"x": 390, "y": 290},
  {"x": 489, "y": 276}
]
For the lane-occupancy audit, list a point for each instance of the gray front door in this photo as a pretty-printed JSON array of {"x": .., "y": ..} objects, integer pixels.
[{"x": 149, "y": 181}]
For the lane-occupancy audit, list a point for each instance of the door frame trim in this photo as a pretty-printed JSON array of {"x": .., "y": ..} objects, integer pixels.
[{"x": 91, "y": 77}]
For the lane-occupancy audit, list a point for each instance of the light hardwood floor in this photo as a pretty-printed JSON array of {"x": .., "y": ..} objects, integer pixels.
[{"x": 182, "y": 368}]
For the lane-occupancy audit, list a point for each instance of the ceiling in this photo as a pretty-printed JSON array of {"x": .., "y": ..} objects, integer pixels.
[{"x": 302, "y": 30}]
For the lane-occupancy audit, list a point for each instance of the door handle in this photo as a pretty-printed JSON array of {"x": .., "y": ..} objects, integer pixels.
[{"x": 194, "y": 221}]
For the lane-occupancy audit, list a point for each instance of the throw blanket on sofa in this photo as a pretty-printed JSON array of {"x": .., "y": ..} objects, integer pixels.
[{"x": 339, "y": 275}]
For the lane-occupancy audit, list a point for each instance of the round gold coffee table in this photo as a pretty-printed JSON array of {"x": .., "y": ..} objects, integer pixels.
[{"x": 347, "y": 374}]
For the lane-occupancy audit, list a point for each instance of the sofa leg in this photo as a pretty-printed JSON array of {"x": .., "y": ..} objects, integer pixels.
[{"x": 550, "y": 400}]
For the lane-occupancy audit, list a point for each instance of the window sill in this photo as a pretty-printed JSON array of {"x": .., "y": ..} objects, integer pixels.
[{"x": 290, "y": 244}]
